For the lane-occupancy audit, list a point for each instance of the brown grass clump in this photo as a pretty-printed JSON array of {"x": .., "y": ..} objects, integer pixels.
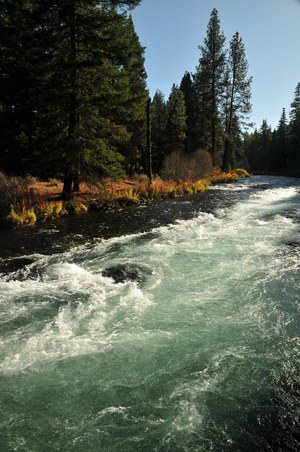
[{"x": 221, "y": 177}]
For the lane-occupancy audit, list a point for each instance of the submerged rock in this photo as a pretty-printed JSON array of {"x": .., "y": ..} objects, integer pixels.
[
  {"x": 127, "y": 272},
  {"x": 293, "y": 244},
  {"x": 147, "y": 237},
  {"x": 17, "y": 264}
]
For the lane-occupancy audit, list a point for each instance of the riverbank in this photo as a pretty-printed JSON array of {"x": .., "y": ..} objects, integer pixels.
[{"x": 25, "y": 202}]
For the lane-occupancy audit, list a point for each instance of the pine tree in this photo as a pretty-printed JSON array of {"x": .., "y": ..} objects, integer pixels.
[
  {"x": 86, "y": 59},
  {"x": 258, "y": 147},
  {"x": 264, "y": 145},
  {"x": 251, "y": 150},
  {"x": 294, "y": 133},
  {"x": 188, "y": 89},
  {"x": 209, "y": 85},
  {"x": 279, "y": 145},
  {"x": 238, "y": 97},
  {"x": 176, "y": 120},
  {"x": 19, "y": 56},
  {"x": 72, "y": 87},
  {"x": 158, "y": 130},
  {"x": 137, "y": 97}
]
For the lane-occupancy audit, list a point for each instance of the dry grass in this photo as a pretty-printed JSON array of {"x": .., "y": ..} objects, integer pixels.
[{"x": 27, "y": 201}]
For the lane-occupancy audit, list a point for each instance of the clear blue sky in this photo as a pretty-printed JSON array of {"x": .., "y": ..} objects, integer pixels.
[{"x": 171, "y": 31}]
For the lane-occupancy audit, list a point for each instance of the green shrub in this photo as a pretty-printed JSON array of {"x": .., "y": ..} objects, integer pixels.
[
  {"x": 188, "y": 188},
  {"x": 77, "y": 208},
  {"x": 132, "y": 196},
  {"x": 25, "y": 217},
  {"x": 51, "y": 210},
  {"x": 241, "y": 173}
]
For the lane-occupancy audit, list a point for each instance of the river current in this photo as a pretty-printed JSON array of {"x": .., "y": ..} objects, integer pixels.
[{"x": 178, "y": 335}]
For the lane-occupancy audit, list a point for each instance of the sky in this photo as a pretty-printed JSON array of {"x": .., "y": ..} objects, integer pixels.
[{"x": 172, "y": 30}]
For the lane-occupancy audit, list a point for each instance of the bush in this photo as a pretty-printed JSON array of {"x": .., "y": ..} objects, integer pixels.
[
  {"x": 25, "y": 217},
  {"x": 12, "y": 189},
  {"x": 200, "y": 164},
  {"x": 129, "y": 196},
  {"x": 241, "y": 173},
  {"x": 181, "y": 166},
  {"x": 17, "y": 191},
  {"x": 50, "y": 210}
]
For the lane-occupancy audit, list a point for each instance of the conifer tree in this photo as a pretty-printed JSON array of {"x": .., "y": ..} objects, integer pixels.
[
  {"x": 264, "y": 146},
  {"x": 137, "y": 96},
  {"x": 238, "y": 97},
  {"x": 259, "y": 148},
  {"x": 188, "y": 89},
  {"x": 294, "y": 132},
  {"x": 279, "y": 145},
  {"x": 158, "y": 130},
  {"x": 19, "y": 55},
  {"x": 251, "y": 147},
  {"x": 85, "y": 60},
  {"x": 176, "y": 120},
  {"x": 209, "y": 85},
  {"x": 72, "y": 87}
]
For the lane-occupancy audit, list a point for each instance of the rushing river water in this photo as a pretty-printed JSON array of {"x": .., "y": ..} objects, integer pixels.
[{"x": 184, "y": 337}]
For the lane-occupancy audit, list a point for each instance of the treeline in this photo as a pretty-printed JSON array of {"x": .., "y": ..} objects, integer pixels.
[
  {"x": 208, "y": 112},
  {"x": 73, "y": 89},
  {"x": 277, "y": 151},
  {"x": 73, "y": 100}
]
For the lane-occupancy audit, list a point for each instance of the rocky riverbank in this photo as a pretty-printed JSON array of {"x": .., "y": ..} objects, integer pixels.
[{"x": 25, "y": 202}]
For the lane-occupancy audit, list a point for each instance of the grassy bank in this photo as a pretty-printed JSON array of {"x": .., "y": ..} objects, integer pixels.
[{"x": 26, "y": 201}]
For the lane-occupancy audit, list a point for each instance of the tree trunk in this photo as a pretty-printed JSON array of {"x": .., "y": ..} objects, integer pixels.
[
  {"x": 76, "y": 187},
  {"x": 226, "y": 157},
  {"x": 226, "y": 160},
  {"x": 68, "y": 187},
  {"x": 71, "y": 181},
  {"x": 149, "y": 146},
  {"x": 213, "y": 127}
]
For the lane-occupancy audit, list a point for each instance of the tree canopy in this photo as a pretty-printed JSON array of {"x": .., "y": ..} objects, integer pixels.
[{"x": 73, "y": 88}]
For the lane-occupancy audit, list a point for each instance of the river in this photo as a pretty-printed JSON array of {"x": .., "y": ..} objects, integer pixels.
[{"x": 167, "y": 327}]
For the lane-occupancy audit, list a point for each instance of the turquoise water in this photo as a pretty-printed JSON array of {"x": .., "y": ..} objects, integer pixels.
[{"x": 196, "y": 349}]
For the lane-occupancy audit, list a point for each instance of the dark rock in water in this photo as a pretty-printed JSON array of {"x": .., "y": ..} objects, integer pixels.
[
  {"x": 293, "y": 244},
  {"x": 12, "y": 265},
  {"x": 147, "y": 237},
  {"x": 261, "y": 186},
  {"x": 127, "y": 272},
  {"x": 25, "y": 273},
  {"x": 293, "y": 215}
]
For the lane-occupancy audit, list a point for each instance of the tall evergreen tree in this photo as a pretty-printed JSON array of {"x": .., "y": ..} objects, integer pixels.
[
  {"x": 188, "y": 89},
  {"x": 72, "y": 87},
  {"x": 85, "y": 62},
  {"x": 209, "y": 84},
  {"x": 238, "y": 105},
  {"x": 158, "y": 130},
  {"x": 258, "y": 149},
  {"x": 294, "y": 132},
  {"x": 264, "y": 146},
  {"x": 251, "y": 150},
  {"x": 19, "y": 55},
  {"x": 176, "y": 120},
  {"x": 135, "y": 107},
  {"x": 279, "y": 145}
]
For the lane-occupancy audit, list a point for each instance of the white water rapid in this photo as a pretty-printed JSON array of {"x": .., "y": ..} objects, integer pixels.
[{"x": 182, "y": 338}]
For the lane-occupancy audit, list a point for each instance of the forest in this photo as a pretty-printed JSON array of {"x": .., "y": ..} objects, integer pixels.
[{"x": 74, "y": 102}]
